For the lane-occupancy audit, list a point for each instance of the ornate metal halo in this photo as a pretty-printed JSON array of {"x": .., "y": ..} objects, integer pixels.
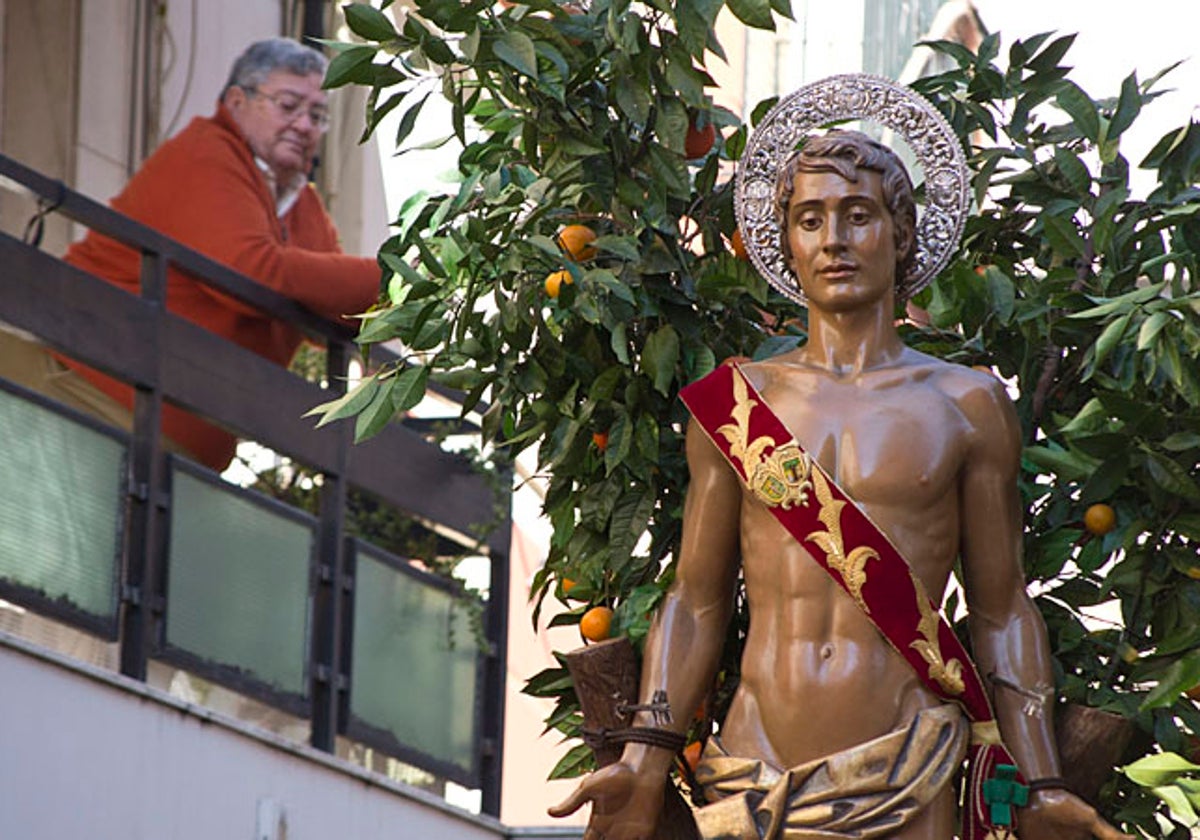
[{"x": 940, "y": 220}]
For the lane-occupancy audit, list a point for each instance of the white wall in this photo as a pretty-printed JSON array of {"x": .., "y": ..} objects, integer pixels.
[{"x": 84, "y": 753}]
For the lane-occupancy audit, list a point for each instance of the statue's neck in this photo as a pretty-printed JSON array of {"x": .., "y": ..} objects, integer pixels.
[{"x": 849, "y": 343}]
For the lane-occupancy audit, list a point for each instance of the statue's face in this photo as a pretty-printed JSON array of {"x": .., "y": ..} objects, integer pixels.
[{"x": 843, "y": 245}]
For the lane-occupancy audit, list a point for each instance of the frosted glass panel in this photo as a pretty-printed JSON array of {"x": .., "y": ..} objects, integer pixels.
[
  {"x": 238, "y": 583},
  {"x": 60, "y": 506},
  {"x": 415, "y": 657}
]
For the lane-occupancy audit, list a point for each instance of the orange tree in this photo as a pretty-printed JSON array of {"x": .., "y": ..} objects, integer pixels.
[
  {"x": 598, "y": 116},
  {"x": 1085, "y": 298},
  {"x": 1075, "y": 291}
]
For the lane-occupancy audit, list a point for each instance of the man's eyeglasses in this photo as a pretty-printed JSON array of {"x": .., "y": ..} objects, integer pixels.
[{"x": 290, "y": 107}]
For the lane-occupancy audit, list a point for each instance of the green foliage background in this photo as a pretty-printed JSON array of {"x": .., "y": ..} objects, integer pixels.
[{"x": 1079, "y": 294}]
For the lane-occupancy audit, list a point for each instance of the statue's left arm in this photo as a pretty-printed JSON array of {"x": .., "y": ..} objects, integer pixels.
[{"x": 1011, "y": 647}]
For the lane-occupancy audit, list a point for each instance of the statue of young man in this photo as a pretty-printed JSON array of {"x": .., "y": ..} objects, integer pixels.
[{"x": 832, "y": 733}]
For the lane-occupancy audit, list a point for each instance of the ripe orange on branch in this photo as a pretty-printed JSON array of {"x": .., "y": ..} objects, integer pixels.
[
  {"x": 576, "y": 241},
  {"x": 596, "y": 624},
  {"x": 699, "y": 141},
  {"x": 1099, "y": 519},
  {"x": 600, "y": 439},
  {"x": 738, "y": 245},
  {"x": 555, "y": 281}
]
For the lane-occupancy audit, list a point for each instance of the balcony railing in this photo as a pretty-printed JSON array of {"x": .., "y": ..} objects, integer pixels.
[{"x": 102, "y": 530}]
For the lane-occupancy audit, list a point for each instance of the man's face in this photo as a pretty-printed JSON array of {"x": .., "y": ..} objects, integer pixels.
[
  {"x": 277, "y": 120},
  {"x": 842, "y": 239}
]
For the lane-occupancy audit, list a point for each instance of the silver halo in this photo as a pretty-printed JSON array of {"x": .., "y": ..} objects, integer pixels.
[{"x": 940, "y": 220}]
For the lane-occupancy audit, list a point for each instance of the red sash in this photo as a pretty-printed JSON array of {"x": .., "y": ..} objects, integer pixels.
[{"x": 860, "y": 558}]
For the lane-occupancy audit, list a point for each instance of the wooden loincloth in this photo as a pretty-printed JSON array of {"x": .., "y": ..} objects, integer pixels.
[{"x": 866, "y": 791}]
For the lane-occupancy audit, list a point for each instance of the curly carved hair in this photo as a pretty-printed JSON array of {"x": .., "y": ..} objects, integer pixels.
[{"x": 845, "y": 152}]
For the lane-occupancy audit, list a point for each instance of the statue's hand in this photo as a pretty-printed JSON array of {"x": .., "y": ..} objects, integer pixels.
[
  {"x": 625, "y": 804},
  {"x": 1061, "y": 815}
]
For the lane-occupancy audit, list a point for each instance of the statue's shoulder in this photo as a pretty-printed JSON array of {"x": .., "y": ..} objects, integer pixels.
[
  {"x": 952, "y": 378},
  {"x": 782, "y": 369}
]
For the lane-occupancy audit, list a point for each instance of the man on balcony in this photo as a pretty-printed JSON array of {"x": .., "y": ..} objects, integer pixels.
[{"x": 233, "y": 186}]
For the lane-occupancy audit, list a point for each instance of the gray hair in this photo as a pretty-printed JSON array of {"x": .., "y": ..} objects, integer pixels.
[{"x": 262, "y": 58}]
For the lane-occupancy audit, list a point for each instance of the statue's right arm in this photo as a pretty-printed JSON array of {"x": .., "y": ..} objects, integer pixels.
[{"x": 682, "y": 650}]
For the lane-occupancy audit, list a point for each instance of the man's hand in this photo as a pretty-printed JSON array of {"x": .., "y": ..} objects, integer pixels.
[
  {"x": 1061, "y": 815},
  {"x": 625, "y": 804}
]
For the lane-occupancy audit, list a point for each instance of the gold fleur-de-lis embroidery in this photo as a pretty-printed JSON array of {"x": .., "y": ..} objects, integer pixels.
[
  {"x": 946, "y": 674},
  {"x": 851, "y": 566},
  {"x": 777, "y": 480}
]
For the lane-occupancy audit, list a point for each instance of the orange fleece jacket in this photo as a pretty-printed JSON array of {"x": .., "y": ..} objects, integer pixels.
[{"x": 204, "y": 189}]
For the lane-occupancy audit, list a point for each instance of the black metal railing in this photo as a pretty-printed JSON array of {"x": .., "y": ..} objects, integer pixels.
[{"x": 167, "y": 358}]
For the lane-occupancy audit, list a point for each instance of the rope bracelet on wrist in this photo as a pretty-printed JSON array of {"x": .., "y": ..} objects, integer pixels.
[
  {"x": 651, "y": 735},
  {"x": 1047, "y": 783}
]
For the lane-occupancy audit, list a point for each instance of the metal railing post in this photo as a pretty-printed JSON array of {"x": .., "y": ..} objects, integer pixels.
[
  {"x": 141, "y": 580},
  {"x": 496, "y": 663},
  {"x": 329, "y": 683}
]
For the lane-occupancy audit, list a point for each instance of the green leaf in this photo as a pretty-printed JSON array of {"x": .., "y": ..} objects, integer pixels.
[
  {"x": 1129, "y": 105},
  {"x": 753, "y": 13},
  {"x": 377, "y": 413},
  {"x": 1120, "y": 303},
  {"x": 620, "y": 441},
  {"x": 353, "y": 65},
  {"x": 347, "y": 405},
  {"x": 1188, "y": 525},
  {"x": 604, "y": 277},
  {"x": 1087, "y": 419},
  {"x": 517, "y": 50},
  {"x": 1048, "y": 58},
  {"x": 576, "y": 762},
  {"x": 1181, "y": 675},
  {"x": 1074, "y": 170},
  {"x": 1158, "y": 769},
  {"x": 1001, "y": 293},
  {"x": 1179, "y": 804},
  {"x": 660, "y": 356},
  {"x": 1063, "y": 236},
  {"x": 409, "y": 121},
  {"x": 410, "y": 387},
  {"x": 1171, "y": 477},
  {"x": 1150, "y": 329},
  {"x": 1109, "y": 339},
  {"x": 1069, "y": 466},
  {"x": 1105, "y": 481},
  {"x": 625, "y": 247},
  {"x": 1181, "y": 441},
  {"x": 633, "y": 99},
  {"x": 1082, "y": 109},
  {"x": 368, "y": 22}
]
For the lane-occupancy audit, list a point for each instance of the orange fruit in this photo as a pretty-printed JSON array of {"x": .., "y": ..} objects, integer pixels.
[
  {"x": 691, "y": 755},
  {"x": 738, "y": 245},
  {"x": 567, "y": 586},
  {"x": 575, "y": 240},
  {"x": 555, "y": 281},
  {"x": 1099, "y": 519},
  {"x": 596, "y": 624},
  {"x": 600, "y": 439},
  {"x": 699, "y": 141},
  {"x": 981, "y": 270}
]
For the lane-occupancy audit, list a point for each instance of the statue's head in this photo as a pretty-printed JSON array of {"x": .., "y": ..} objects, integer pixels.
[{"x": 845, "y": 153}]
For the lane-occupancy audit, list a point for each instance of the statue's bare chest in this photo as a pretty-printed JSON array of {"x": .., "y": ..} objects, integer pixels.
[{"x": 885, "y": 440}]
